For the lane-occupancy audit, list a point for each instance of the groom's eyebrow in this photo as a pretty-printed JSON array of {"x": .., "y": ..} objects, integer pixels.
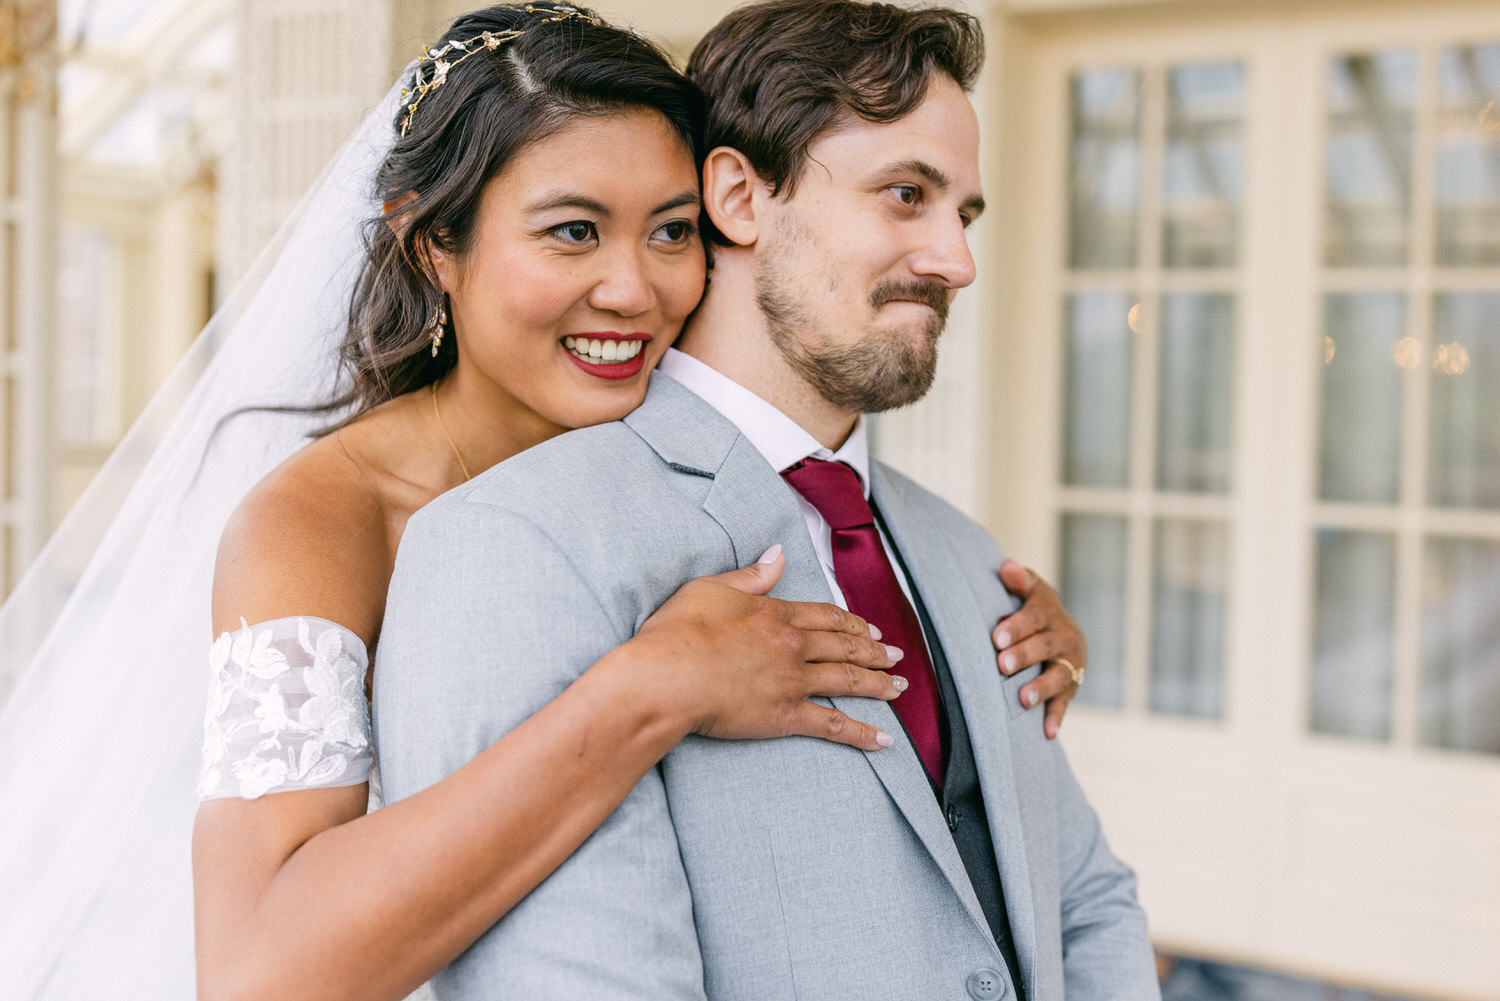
[{"x": 573, "y": 200}]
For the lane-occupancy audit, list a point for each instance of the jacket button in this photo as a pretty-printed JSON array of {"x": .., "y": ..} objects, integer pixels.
[
  {"x": 985, "y": 985},
  {"x": 953, "y": 816}
]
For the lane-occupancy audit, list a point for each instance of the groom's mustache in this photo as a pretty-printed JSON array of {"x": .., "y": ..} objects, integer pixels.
[{"x": 928, "y": 293}]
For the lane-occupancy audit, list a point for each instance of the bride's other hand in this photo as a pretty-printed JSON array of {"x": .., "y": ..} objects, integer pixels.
[
  {"x": 742, "y": 665},
  {"x": 1040, "y": 631}
]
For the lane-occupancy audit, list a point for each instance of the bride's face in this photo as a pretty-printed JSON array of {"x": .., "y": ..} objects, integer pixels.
[{"x": 585, "y": 263}]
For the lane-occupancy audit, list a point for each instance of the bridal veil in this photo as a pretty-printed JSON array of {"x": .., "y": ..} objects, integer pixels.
[{"x": 100, "y": 739}]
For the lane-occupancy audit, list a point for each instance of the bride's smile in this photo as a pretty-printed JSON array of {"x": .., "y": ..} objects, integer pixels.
[
  {"x": 582, "y": 266},
  {"x": 607, "y": 354}
]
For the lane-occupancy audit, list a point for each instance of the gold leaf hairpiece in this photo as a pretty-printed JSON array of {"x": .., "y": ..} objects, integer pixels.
[{"x": 486, "y": 41}]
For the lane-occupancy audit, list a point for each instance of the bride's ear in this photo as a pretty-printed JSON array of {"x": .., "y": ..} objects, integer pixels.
[
  {"x": 439, "y": 263},
  {"x": 431, "y": 258},
  {"x": 733, "y": 195}
]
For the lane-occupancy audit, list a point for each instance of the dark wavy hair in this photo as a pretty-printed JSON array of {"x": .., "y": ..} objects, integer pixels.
[
  {"x": 488, "y": 110},
  {"x": 779, "y": 74}
]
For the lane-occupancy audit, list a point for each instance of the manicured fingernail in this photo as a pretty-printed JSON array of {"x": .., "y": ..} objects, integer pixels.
[
  {"x": 1002, "y": 639},
  {"x": 884, "y": 739},
  {"x": 1008, "y": 662},
  {"x": 769, "y": 556},
  {"x": 874, "y": 630},
  {"x": 899, "y": 683},
  {"x": 894, "y": 653},
  {"x": 1032, "y": 696}
]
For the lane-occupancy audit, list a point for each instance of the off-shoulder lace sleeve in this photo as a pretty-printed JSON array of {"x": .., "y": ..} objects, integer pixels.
[{"x": 286, "y": 710}]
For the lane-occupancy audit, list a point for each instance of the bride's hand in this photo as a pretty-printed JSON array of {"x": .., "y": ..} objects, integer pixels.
[
  {"x": 1041, "y": 631},
  {"x": 740, "y": 665}
]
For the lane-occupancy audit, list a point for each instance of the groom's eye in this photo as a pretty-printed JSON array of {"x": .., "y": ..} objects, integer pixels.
[{"x": 907, "y": 194}]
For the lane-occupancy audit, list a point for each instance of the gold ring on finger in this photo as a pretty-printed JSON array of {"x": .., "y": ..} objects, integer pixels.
[{"x": 1075, "y": 673}]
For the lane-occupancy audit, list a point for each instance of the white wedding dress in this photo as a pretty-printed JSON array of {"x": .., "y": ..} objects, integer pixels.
[
  {"x": 286, "y": 710},
  {"x": 102, "y": 738}
]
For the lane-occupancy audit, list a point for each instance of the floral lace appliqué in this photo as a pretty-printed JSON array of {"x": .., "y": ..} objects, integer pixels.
[{"x": 287, "y": 710}]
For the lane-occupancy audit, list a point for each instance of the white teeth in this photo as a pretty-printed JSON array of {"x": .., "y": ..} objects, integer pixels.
[{"x": 603, "y": 351}]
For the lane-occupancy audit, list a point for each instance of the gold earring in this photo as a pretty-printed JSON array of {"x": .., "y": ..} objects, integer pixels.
[{"x": 438, "y": 324}]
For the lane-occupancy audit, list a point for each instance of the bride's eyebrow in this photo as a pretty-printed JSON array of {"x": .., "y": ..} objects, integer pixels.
[
  {"x": 574, "y": 200},
  {"x": 677, "y": 202},
  {"x": 568, "y": 200}
]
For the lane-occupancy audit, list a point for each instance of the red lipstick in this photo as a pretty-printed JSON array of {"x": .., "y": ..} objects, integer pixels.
[{"x": 610, "y": 370}]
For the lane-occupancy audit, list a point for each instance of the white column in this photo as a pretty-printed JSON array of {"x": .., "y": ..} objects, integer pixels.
[
  {"x": 306, "y": 73},
  {"x": 28, "y": 240}
]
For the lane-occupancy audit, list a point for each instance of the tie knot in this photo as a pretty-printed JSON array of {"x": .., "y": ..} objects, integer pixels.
[{"x": 833, "y": 488}]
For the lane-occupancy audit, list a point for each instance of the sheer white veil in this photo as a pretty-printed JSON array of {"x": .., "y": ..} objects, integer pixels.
[{"x": 100, "y": 739}]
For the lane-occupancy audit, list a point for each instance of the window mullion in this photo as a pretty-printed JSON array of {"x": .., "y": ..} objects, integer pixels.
[
  {"x": 1416, "y": 411},
  {"x": 1147, "y": 338}
]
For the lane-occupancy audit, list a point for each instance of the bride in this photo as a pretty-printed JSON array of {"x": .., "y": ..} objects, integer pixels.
[{"x": 296, "y": 888}]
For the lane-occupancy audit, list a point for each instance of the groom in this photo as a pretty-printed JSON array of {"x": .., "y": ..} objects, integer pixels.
[{"x": 961, "y": 862}]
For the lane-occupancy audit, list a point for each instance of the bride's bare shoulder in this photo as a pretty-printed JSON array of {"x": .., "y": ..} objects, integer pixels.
[{"x": 309, "y": 539}]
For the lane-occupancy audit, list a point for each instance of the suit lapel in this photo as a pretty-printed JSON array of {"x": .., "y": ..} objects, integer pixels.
[
  {"x": 756, "y": 509},
  {"x": 964, "y": 634}
]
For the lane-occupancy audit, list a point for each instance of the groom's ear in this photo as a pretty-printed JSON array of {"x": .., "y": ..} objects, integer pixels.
[{"x": 733, "y": 195}]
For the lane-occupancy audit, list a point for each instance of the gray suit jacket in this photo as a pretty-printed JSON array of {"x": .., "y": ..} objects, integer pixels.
[{"x": 752, "y": 870}]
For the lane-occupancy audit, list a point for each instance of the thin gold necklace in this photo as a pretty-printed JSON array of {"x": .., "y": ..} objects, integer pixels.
[{"x": 451, "y": 443}]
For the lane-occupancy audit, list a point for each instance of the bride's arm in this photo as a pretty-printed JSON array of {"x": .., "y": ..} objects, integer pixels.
[{"x": 301, "y": 894}]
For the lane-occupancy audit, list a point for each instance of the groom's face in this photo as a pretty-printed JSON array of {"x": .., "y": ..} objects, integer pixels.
[{"x": 856, "y": 269}]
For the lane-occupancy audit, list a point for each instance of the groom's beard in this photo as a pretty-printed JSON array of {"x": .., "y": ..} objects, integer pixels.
[{"x": 888, "y": 367}]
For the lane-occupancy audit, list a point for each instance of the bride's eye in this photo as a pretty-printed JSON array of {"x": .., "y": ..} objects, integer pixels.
[
  {"x": 575, "y": 232},
  {"x": 677, "y": 232}
]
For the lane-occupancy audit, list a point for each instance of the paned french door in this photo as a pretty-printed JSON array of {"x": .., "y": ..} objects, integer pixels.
[{"x": 1258, "y": 320}]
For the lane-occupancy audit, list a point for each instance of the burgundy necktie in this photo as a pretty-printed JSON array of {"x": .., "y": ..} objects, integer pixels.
[{"x": 870, "y": 588}]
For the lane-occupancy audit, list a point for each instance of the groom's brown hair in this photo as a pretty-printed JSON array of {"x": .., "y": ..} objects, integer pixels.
[{"x": 779, "y": 74}]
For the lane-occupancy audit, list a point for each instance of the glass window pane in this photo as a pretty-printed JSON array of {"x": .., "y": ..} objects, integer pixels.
[
  {"x": 1096, "y": 448},
  {"x": 1463, "y": 468},
  {"x": 1093, "y": 588},
  {"x": 1188, "y": 615},
  {"x": 1468, "y": 156},
  {"x": 1354, "y": 652},
  {"x": 1359, "y": 445},
  {"x": 1202, "y": 165},
  {"x": 1369, "y": 157},
  {"x": 1460, "y": 701},
  {"x": 1195, "y": 405},
  {"x": 1105, "y": 187}
]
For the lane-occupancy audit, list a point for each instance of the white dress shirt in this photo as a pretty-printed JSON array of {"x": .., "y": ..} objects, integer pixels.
[{"x": 783, "y": 442}]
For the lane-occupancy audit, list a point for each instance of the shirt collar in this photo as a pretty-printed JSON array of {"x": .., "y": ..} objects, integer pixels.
[{"x": 779, "y": 439}]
